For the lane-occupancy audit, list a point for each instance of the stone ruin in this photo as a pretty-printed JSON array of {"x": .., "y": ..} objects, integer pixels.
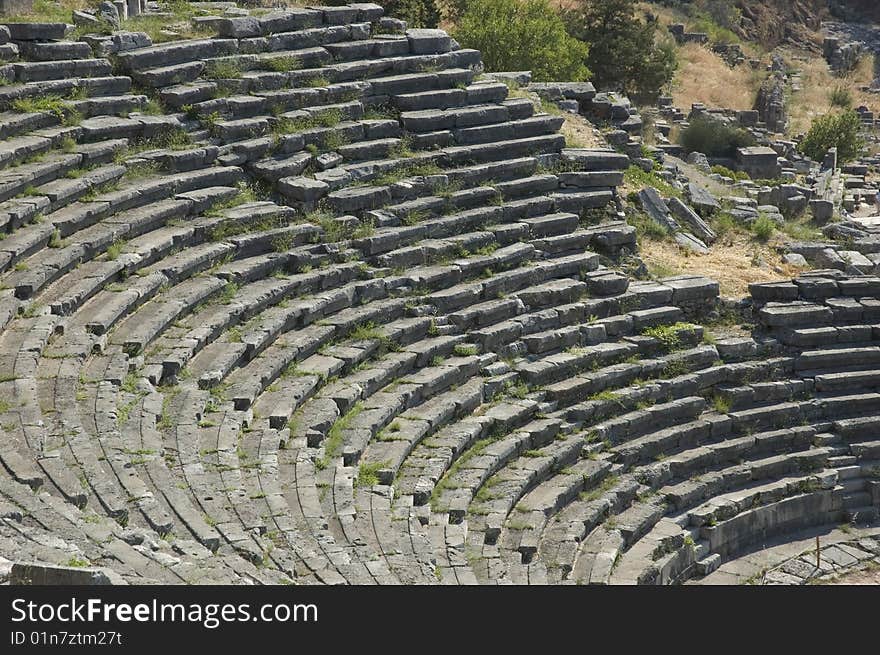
[
  {"x": 842, "y": 56},
  {"x": 731, "y": 53},
  {"x": 312, "y": 301},
  {"x": 681, "y": 36},
  {"x": 770, "y": 103}
]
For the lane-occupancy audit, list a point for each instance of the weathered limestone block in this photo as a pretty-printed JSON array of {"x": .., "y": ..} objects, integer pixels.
[
  {"x": 761, "y": 163},
  {"x": 657, "y": 209},
  {"x": 24, "y": 573},
  {"x": 692, "y": 220},
  {"x": 37, "y": 31},
  {"x": 795, "y": 314},
  {"x": 691, "y": 289},
  {"x": 239, "y": 28},
  {"x": 424, "y": 41},
  {"x": 303, "y": 189}
]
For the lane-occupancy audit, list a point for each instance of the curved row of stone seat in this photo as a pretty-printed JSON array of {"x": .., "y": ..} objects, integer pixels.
[
  {"x": 407, "y": 446},
  {"x": 791, "y": 388},
  {"x": 462, "y": 440}
]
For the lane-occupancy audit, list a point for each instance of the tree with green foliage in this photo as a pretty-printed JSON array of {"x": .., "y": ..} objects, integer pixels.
[
  {"x": 839, "y": 130},
  {"x": 625, "y": 51},
  {"x": 416, "y": 13},
  {"x": 714, "y": 138},
  {"x": 523, "y": 35}
]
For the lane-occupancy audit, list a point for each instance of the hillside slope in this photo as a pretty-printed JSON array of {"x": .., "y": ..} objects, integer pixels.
[{"x": 772, "y": 22}]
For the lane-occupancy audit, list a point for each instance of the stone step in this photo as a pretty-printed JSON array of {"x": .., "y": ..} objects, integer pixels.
[
  {"x": 65, "y": 87},
  {"x": 14, "y": 123},
  {"x": 176, "y": 52},
  {"x": 55, "y": 50},
  {"x": 59, "y": 69},
  {"x": 432, "y": 120},
  {"x": 529, "y": 127},
  {"x": 109, "y": 105}
]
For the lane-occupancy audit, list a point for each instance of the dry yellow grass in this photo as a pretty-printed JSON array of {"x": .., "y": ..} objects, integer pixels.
[
  {"x": 731, "y": 262},
  {"x": 817, "y": 83},
  {"x": 580, "y": 133},
  {"x": 704, "y": 77}
]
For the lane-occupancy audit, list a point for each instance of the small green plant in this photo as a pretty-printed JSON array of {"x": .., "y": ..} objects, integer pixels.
[
  {"x": 605, "y": 396},
  {"x": 840, "y": 96},
  {"x": 724, "y": 224},
  {"x": 334, "y": 141},
  {"x": 404, "y": 172},
  {"x": 737, "y": 176},
  {"x": 336, "y": 436},
  {"x": 668, "y": 335},
  {"x": 114, "y": 250},
  {"x": 282, "y": 64},
  {"x": 605, "y": 486},
  {"x": 721, "y": 404},
  {"x": 316, "y": 82},
  {"x": 519, "y": 390},
  {"x": 637, "y": 177},
  {"x": 763, "y": 228},
  {"x": 227, "y": 294},
  {"x": 141, "y": 170},
  {"x": 55, "y": 240},
  {"x": 465, "y": 350},
  {"x": 323, "y": 118},
  {"x": 223, "y": 70},
  {"x": 368, "y": 473},
  {"x": 152, "y": 108},
  {"x": 51, "y": 104},
  {"x": 646, "y": 227}
]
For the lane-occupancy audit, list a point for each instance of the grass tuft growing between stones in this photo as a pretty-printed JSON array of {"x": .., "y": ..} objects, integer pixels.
[
  {"x": 335, "y": 437},
  {"x": 281, "y": 64},
  {"x": 668, "y": 335},
  {"x": 368, "y": 474}
]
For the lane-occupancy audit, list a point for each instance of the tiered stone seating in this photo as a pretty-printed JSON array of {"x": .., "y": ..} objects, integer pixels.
[{"x": 346, "y": 312}]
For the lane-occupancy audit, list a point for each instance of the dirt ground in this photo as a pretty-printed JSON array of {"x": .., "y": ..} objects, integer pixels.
[
  {"x": 735, "y": 262},
  {"x": 580, "y": 133},
  {"x": 867, "y": 576}
]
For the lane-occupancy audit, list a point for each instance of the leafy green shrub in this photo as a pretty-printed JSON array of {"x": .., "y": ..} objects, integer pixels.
[
  {"x": 416, "y": 13},
  {"x": 523, "y": 35},
  {"x": 724, "y": 224},
  {"x": 716, "y": 33},
  {"x": 834, "y": 130},
  {"x": 842, "y": 97},
  {"x": 625, "y": 52},
  {"x": 713, "y": 138},
  {"x": 721, "y": 12},
  {"x": 763, "y": 228},
  {"x": 733, "y": 175}
]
